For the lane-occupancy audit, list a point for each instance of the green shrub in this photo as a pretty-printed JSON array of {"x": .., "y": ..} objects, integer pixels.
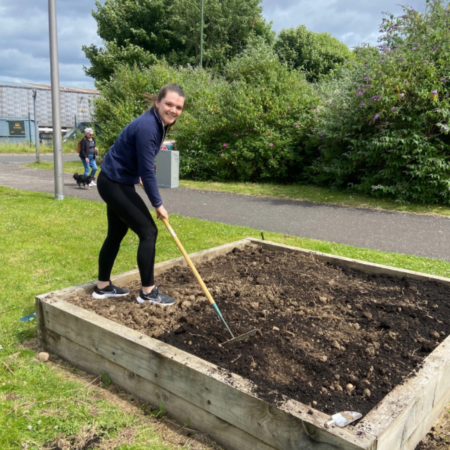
[
  {"x": 315, "y": 53},
  {"x": 246, "y": 125},
  {"x": 142, "y": 32},
  {"x": 250, "y": 125},
  {"x": 382, "y": 127}
]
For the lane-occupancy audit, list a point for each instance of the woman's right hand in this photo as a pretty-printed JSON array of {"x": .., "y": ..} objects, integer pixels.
[
  {"x": 86, "y": 159},
  {"x": 161, "y": 213}
]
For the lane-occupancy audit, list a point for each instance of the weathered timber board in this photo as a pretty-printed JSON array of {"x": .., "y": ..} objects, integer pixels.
[
  {"x": 225, "y": 395},
  {"x": 181, "y": 410},
  {"x": 398, "y": 422}
]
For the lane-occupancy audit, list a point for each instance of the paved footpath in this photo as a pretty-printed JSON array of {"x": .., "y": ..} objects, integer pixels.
[{"x": 421, "y": 235}]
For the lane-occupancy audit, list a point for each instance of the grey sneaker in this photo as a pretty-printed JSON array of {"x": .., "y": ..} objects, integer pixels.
[
  {"x": 109, "y": 291},
  {"x": 156, "y": 297}
]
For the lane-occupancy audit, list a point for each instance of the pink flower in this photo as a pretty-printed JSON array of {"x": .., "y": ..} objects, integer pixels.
[
  {"x": 225, "y": 145},
  {"x": 377, "y": 116},
  {"x": 296, "y": 126},
  {"x": 270, "y": 132},
  {"x": 289, "y": 107},
  {"x": 402, "y": 95},
  {"x": 393, "y": 108},
  {"x": 434, "y": 92},
  {"x": 444, "y": 127},
  {"x": 234, "y": 134},
  {"x": 360, "y": 94},
  {"x": 271, "y": 144},
  {"x": 222, "y": 154}
]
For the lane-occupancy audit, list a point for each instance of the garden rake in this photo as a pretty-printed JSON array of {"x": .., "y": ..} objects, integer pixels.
[{"x": 205, "y": 289}]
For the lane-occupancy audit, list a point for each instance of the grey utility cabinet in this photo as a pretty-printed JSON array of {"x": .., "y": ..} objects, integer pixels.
[{"x": 168, "y": 168}]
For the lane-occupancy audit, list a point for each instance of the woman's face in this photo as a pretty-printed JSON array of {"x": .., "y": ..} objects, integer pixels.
[{"x": 170, "y": 107}]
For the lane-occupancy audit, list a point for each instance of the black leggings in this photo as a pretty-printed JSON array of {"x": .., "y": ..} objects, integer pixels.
[{"x": 126, "y": 209}]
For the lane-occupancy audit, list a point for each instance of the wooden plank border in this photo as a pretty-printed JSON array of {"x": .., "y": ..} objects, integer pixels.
[
  {"x": 179, "y": 408},
  {"x": 222, "y": 403},
  {"x": 227, "y": 396}
]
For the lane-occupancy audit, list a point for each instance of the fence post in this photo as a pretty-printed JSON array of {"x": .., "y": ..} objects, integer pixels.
[
  {"x": 36, "y": 127},
  {"x": 29, "y": 128}
]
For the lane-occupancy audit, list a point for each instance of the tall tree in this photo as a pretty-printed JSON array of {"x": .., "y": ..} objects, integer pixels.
[
  {"x": 316, "y": 53},
  {"x": 134, "y": 30}
]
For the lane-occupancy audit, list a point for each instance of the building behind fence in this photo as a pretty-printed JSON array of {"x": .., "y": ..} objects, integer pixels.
[{"x": 16, "y": 106}]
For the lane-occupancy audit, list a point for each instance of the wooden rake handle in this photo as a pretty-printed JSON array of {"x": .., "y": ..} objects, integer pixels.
[{"x": 188, "y": 260}]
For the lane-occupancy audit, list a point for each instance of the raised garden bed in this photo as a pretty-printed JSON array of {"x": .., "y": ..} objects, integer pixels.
[{"x": 335, "y": 334}]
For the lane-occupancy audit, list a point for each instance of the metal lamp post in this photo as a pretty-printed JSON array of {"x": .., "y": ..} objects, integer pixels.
[
  {"x": 56, "y": 106},
  {"x": 201, "y": 34}
]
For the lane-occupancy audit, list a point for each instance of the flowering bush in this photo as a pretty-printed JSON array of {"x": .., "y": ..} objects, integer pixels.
[{"x": 382, "y": 127}]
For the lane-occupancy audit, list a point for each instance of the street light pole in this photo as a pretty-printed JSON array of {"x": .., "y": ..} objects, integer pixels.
[
  {"x": 56, "y": 106},
  {"x": 201, "y": 35},
  {"x": 36, "y": 129}
]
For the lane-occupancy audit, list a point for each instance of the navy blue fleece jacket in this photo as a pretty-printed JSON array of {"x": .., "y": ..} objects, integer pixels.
[{"x": 133, "y": 154}]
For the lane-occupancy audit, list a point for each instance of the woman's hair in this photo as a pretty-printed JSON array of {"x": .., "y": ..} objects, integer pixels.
[
  {"x": 163, "y": 92},
  {"x": 88, "y": 131}
]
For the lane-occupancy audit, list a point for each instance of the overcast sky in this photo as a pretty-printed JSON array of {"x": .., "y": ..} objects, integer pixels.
[{"x": 24, "y": 48}]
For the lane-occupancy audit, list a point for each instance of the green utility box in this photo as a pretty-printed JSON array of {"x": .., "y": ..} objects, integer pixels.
[{"x": 168, "y": 168}]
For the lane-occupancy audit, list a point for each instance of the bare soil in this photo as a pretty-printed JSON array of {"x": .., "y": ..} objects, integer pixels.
[{"x": 331, "y": 337}]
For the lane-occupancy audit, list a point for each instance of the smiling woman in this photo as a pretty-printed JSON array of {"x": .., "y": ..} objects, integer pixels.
[{"x": 131, "y": 159}]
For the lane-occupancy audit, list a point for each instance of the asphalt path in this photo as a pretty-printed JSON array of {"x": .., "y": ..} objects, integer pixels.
[
  {"x": 25, "y": 159},
  {"x": 414, "y": 234}
]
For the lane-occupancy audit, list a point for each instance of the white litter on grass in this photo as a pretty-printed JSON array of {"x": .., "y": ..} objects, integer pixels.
[{"x": 1, "y": 347}]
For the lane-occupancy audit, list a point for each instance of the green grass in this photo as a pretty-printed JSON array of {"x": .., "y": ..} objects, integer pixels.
[
  {"x": 25, "y": 148},
  {"x": 316, "y": 194},
  {"x": 292, "y": 192},
  {"x": 48, "y": 245}
]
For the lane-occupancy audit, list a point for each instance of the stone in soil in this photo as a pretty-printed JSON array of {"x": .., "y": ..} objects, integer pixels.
[{"x": 321, "y": 327}]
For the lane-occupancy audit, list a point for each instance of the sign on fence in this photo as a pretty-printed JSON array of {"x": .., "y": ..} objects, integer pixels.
[{"x": 17, "y": 128}]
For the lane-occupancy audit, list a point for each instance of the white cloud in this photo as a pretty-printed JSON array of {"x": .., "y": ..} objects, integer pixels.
[
  {"x": 353, "y": 22},
  {"x": 24, "y": 41}
]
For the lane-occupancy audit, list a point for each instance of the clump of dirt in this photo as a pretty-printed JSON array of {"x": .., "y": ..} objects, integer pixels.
[
  {"x": 331, "y": 337},
  {"x": 85, "y": 440}
]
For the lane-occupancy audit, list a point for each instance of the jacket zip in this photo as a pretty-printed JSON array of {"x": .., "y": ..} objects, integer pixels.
[{"x": 163, "y": 127}]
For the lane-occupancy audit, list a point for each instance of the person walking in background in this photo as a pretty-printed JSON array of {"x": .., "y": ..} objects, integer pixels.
[
  {"x": 129, "y": 159},
  {"x": 88, "y": 152}
]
